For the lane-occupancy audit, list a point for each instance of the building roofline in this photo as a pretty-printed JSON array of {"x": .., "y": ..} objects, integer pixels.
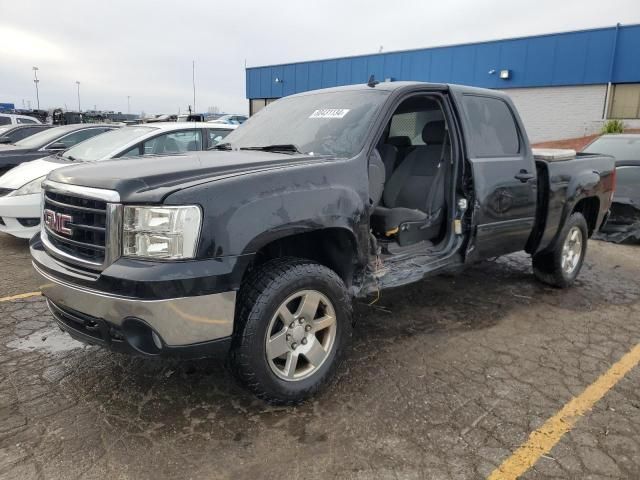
[{"x": 435, "y": 47}]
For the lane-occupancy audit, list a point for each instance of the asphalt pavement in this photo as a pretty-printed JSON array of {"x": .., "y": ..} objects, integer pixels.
[{"x": 454, "y": 377}]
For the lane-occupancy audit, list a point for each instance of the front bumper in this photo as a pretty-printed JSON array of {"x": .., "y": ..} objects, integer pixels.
[
  {"x": 21, "y": 207},
  {"x": 192, "y": 326}
]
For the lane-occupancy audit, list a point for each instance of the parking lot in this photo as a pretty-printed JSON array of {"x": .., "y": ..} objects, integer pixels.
[{"x": 446, "y": 379}]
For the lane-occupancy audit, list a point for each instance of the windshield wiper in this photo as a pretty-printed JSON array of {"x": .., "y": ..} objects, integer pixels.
[
  {"x": 221, "y": 146},
  {"x": 280, "y": 148}
]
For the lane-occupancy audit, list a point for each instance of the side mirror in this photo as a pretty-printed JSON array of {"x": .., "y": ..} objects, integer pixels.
[
  {"x": 5, "y": 140},
  {"x": 57, "y": 146}
]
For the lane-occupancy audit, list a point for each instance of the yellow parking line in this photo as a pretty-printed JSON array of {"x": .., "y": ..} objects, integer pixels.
[
  {"x": 544, "y": 439},
  {"x": 19, "y": 296}
]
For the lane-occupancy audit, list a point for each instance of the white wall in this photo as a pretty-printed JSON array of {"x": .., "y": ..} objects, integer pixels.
[{"x": 557, "y": 113}]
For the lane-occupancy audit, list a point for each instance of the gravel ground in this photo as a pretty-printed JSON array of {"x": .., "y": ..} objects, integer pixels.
[{"x": 444, "y": 380}]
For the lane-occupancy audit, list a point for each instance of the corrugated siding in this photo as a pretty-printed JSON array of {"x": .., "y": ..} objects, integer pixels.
[{"x": 574, "y": 58}]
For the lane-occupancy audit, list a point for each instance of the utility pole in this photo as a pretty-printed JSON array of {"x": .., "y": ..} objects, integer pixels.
[
  {"x": 79, "y": 109},
  {"x": 193, "y": 76},
  {"x": 128, "y": 104},
  {"x": 36, "y": 81}
]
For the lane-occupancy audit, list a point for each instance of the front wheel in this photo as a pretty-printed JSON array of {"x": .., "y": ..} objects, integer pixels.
[
  {"x": 293, "y": 326},
  {"x": 560, "y": 266}
]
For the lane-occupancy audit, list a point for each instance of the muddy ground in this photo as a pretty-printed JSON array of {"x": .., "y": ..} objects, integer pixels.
[{"x": 444, "y": 380}]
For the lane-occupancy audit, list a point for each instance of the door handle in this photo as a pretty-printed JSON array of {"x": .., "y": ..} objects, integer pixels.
[{"x": 524, "y": 176}]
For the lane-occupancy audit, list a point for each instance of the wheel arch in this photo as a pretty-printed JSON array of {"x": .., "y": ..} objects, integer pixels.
[
  {"x": 589, "y": 207},
  {"x": 335, "y": 247}
]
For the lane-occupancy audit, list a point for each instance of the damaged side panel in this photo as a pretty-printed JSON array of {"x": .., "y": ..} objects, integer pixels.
[{"x": 246, "y": 213}]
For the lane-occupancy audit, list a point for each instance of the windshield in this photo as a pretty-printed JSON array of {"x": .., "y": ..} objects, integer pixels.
[
  {"x": 41, "y": 139},
  {"x": 331, "y": 123},
  {"x": 621, "y": 148},
  {"x": 98, "y": 147}
]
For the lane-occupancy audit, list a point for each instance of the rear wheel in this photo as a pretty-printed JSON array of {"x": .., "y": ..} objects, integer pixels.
[
  {"x": 560, "y": 266},
  {"x": 293, "y": 325}
]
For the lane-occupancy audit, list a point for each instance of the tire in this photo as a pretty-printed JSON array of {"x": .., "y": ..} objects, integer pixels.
[
  {"x": 266, "y": 295},
  {"x": 560, "y": 267}
]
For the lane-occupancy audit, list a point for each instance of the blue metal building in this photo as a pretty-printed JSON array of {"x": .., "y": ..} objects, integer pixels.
[{"x": 594, "y": 72}]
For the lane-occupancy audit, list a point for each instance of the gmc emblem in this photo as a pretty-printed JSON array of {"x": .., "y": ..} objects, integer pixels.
[{"x": 57, "y": 222}]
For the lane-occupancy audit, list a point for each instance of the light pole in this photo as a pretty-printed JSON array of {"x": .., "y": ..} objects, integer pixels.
[
  {"x": 79, "y": 109},
  {"x": 36, "y": 81},
  {"x": 128, "y": 104},
  {"x": 193, "y": 77}
]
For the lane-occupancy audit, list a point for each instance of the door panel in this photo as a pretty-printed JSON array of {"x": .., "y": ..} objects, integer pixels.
[{"x": 504, "y": 176}]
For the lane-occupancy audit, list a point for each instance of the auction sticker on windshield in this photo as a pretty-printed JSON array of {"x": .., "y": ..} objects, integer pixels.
[{"x": 330, "y": 113}]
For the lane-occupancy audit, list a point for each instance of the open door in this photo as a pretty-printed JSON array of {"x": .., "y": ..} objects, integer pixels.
[{"x": 504, "y": 176}]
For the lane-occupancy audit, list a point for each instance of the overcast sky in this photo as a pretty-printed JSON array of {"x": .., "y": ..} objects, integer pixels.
[{"x": 144, "y": 48}]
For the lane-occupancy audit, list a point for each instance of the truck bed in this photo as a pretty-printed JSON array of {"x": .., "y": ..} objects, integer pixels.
[{"x": 564, "y": 177}]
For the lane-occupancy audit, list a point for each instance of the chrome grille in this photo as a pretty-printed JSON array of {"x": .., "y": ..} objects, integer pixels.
[{"x": 91, "y": 234}]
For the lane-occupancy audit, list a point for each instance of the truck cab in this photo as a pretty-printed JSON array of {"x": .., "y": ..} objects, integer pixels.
[{"x": 257, "y": 248}]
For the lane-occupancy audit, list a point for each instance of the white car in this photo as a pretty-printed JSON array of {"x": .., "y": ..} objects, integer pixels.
[
  {"x": 20, "y": 186},
  {"x": 9, "y": 120}
]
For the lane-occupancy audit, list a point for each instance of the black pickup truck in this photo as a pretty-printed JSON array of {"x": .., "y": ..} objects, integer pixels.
[{"x": 258, "y": 248}]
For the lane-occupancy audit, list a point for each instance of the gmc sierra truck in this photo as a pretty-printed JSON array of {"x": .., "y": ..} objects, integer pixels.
[{"x": 257, "y": 249}]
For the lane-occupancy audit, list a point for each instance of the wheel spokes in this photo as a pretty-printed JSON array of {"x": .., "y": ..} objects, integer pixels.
[
  {"x": 309, "y": 306},
  {"x": 277, "y": 345},
  {"x": 290, "y": 366},
  {"x": 315, "y": 353},
  {"x": 285, "y": 315},
  {"x": 323, "y": 322},
  {"x": 292, "y": 349}
]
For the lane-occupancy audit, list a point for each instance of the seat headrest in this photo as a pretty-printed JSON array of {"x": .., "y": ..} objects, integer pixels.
[{"x": 433, "y": 133}]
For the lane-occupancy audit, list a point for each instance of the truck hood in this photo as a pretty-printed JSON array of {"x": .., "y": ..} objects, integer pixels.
[
  {"x": 150, "y": 179},
  {"x": 28, "y": 171}
]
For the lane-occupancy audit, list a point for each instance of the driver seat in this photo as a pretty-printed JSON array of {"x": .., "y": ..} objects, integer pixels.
[{"x": 413, "y": 201}]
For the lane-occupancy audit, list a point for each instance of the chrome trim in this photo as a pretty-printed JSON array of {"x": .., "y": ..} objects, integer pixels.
[
  {"x": 113, "y": 225},
  {"x": 74, "y": 242},
  {"x": 64, "y": 256},
  {"x": 75, "y": 207},
  {"x": 87, "y": 192},
  {"x": 113, "y": 237},
  {"x": 179, "y": 321}
]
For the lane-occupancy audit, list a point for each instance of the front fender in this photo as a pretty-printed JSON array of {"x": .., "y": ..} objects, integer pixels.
[
  {"x": 293, "y": 212},
  {"x": 244, "y": 213}
]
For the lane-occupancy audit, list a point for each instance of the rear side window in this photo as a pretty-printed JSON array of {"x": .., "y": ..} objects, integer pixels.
[
  {"x": 492, "y": 127},
  {"x": 174, "y": 142},
  {"x": 5, "y": 120},
  {"x": 24, "y": 120}
]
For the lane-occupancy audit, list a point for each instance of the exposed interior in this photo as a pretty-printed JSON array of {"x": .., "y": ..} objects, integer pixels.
[{"x": 410, "y": 178}]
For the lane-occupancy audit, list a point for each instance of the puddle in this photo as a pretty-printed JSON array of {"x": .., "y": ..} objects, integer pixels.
[{"x": 55, "y": 341}]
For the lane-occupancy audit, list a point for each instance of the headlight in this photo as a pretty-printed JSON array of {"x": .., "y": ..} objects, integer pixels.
[
  {"x": 34, "y": 186},
  {"x": 161, "y": 232}
]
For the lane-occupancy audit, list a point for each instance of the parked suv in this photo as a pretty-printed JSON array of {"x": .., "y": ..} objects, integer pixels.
[
  {"x": 8, "y": 120},
  {"x": 258, "y": 249}
]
